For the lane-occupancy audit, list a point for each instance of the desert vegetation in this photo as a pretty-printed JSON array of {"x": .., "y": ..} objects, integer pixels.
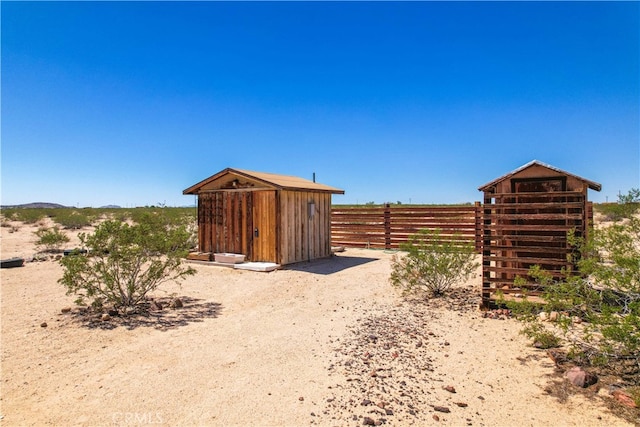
[
  {"x": 79, "y": 218},
  {"x": 430, "y": 265},
  {"x": 595, "y": 312},
  {"x": 50, "y": 239},
  {"x": 124, "y": 263}
]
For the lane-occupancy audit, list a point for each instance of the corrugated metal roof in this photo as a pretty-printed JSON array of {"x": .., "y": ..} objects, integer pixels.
[
  {"x": 283, "y": 182},
  {"x": 592, "y": 185}
]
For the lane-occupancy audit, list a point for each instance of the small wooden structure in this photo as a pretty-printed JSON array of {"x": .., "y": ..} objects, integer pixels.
[
  {"x": 527, "y": 215},
  {"x": 264, "y": 216}
]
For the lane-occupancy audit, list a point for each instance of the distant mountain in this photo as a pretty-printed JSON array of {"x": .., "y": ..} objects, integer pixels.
[
  {"x": 110, "y": 207},
  {"x": 37, "y": 205}
]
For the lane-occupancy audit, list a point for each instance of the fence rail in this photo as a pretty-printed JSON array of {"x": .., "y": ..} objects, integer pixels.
[{"x": 388, "y": 227}]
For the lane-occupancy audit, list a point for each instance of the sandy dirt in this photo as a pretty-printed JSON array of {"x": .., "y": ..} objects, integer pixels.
[{"x": 328, "y": 342}]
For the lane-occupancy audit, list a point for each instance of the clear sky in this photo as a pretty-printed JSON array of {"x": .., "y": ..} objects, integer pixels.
[{"x": 129, "y": 103}]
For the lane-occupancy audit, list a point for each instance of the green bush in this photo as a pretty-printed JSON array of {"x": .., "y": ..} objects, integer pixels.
[
  {"x": 541, "y": 337},
  {"x": 432, "y": 264},
  {"x": 126, "y": 262},
  {"x": 175, "y": 216},
  {"x": 51, "y": 239},
  {"x": 611, "y": 259},
  {"x": 9, "y": 214},
  {"x": 74, "y": 219},
  {"x": 29, "y": 215},
  {"x": 626, "y": 207},
  {"x": 600, "y": 305}
]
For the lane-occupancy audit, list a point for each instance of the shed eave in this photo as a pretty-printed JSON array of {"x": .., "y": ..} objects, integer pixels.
[
  {"x": 278, "y": 182},
  {"x": 592, "y": 184}
]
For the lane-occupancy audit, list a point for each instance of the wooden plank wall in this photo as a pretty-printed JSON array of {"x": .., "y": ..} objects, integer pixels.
[
  {"x": 224, "y": 222},
  {"x": 389, "y": 226},
  {"x": 525, "y": 229},
  {"x": 304, "y": 237}
]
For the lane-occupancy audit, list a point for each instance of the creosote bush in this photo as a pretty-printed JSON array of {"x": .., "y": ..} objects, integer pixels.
[
  {"x": 432, "y": 264},
  {"x": 627, "y": 205},
  {"x": 598, "y": 308},
  {"x": 74, "y": 219},
  {"x": 51, "y": 239},
  {"x": 26, "y": 215},
  {"x": 125, "y": 262}
]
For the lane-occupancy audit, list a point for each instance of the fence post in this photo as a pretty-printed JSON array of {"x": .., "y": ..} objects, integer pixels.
[
  {"x": 387, "y": 226},
  {"x": 487, "y": 214},
  {"x": 479, "y": 225}
]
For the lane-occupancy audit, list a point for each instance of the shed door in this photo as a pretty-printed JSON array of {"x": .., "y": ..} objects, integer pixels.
[
  {"x": 265, "y": 240},
  {"x": 224, "y": 222}
]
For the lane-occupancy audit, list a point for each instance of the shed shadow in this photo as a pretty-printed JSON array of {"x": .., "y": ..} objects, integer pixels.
[
  {"x": 331, "y": 265},
  {"x": 193, "y": 311}
]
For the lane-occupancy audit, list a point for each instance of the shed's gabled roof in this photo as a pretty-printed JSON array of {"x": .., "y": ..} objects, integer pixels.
[
  {"x": 592, "y": 185},
  {"x": 280, "y": 182}
]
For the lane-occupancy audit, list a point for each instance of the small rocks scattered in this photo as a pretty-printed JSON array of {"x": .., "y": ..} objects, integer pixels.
[
  {"x": 499, "y": 314},
  {"x": 66, "y": 310},
  {"x": 450, "y": 389},
  {"x": 557, "y": 356},
  {"x": 155, "y": 305},
  {"x": 580, "y": 378},
  {"x": 386, "y": 367},
  {"x": 43, "y": 325},
  {"x": 176, "y": 303},
  {"x": 624, "y": 398}
]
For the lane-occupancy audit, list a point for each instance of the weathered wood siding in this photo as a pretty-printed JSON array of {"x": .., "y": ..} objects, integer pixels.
[
  {"x": 303, "y": 236},
  {"x": 225, "y": 222}
]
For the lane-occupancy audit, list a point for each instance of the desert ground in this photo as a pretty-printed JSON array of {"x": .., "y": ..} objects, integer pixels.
[{"x": 328, "y": 343}]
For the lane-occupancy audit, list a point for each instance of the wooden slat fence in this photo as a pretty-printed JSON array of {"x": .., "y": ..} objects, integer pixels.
[
  {"x": 513, "y": 231},
  {"x": 388, "y": 226}
]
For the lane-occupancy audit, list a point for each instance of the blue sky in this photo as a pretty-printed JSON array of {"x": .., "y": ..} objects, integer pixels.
[{"x": 420, "y": 102}]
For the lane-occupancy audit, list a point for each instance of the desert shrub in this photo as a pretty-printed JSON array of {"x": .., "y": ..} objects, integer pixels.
[
  {"x": 611, "y": 260},
  {"x": 9, "y": 214},
  {"x": 74, "y": 219},
  {"x": 126, "y": 262},
  {"x": 540, "y": 336},
  {"x": 121, "y": 215},
  {"x": 600, "y": 306},
  {"x": 628, "y": 204},
  {"x": 176, "y": 217},
  {"x": 432, "y": 264},
  {"x": 51, "y": 239},
  {"x": 29, "y": 215}
]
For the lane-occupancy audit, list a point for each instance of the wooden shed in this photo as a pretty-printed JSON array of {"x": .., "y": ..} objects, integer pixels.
[
  {"x": 264, "y": 216},
  {"x": 526, "y": 217}
]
